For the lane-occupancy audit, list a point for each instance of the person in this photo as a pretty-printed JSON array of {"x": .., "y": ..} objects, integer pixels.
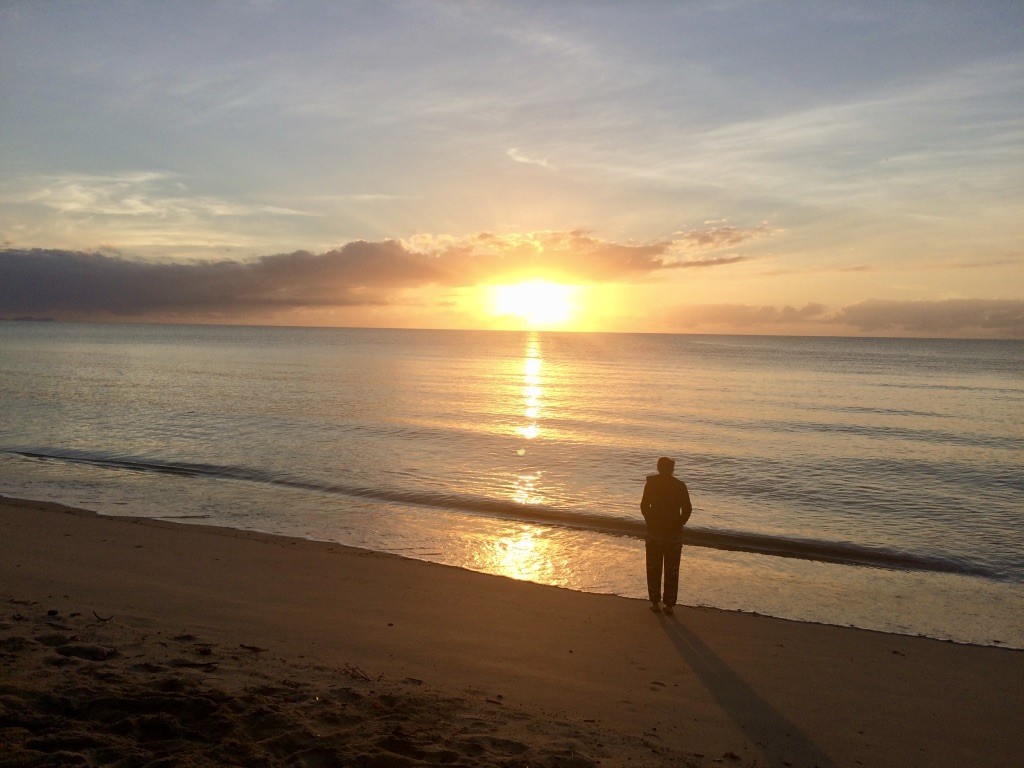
[{"x": 666, "y": 508}]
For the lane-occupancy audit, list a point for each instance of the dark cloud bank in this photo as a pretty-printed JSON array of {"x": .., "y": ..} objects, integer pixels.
[
  {"x": 73, "y": 283},
  {"x": 952, "y": 317},
  {"x": 81, "y": 284},
  {"x": 76, "y": 285}
]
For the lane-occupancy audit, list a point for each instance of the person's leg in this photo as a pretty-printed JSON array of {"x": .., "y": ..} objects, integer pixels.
[
  {"x": 672, "y": 555},
  {"x": 655, "y": 557}
]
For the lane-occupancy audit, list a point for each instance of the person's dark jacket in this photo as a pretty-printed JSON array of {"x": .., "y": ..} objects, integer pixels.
[{"x": 666, "y": 507}]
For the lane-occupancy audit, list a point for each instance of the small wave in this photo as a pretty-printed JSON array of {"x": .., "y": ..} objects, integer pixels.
[
  {"x": 844, "y": 553},
  {"x": 876, "y": 411}
]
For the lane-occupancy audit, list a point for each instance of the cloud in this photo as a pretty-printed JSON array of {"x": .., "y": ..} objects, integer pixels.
[
  {"x": 952, "y": 317},
  {"x": 914, "y": 266},
  {"x": 745, "y": 315},
  {"x": 152, "y": 194},
  {"x": 519, "y": 157},
  {"x": 818, "y": 270},
  {"x": 707, "y": 262},
  {"x": 106, "y": 284},
  {"x": 72, "y": 283},
  {"x": 575, "y": 255},
  {"x": 988, "y": 263},
  {"x": 358, "y": 197},
  {"x": 76, "y": 284},
  {"x": 722, "y": 236}
]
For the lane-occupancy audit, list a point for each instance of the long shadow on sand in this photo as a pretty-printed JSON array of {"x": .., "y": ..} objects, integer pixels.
[{"x": 781, "y": 743}]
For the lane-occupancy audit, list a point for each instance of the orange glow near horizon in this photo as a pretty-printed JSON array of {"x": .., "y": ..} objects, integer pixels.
[{"x": 538, "y": 303}]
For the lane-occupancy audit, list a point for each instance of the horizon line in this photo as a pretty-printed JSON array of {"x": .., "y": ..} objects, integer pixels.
[{"x": 193, "y": 323}]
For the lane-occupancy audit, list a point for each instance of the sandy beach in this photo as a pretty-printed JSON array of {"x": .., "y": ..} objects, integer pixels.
[{"x": 140, "y": 642}]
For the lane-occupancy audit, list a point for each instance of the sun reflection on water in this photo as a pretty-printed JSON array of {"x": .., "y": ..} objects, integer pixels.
[
  {"x": 525, "y": 489},
  {"x": 532, "y": 389},
  {"x": 524, "y": 554},
  {"x": 525, "y": 484},
  {"x": 529, "y": 431}
]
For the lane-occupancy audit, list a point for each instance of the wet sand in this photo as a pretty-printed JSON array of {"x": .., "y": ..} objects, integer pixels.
[{"x": 139, "y": 642}]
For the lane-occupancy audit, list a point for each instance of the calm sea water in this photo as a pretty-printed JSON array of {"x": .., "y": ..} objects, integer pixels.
[{"x": 873, "y": 482}]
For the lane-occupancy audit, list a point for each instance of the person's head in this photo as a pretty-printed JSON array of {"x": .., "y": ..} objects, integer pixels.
[{"x": 666, "y": 466}]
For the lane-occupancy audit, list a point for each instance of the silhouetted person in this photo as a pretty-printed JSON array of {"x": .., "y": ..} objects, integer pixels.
[{"x": 666, "y": 507}]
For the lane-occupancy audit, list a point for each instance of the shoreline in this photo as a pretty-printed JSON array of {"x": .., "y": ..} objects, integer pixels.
[
  {"x": 570, "y": 678},
  {"x": 227, "y": 530},
  {"x": 808, "y": 549},
  {"x": 995, "y": 639}
]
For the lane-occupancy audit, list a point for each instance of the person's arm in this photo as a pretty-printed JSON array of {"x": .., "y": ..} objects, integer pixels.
[
  {"x": 685, "y": 507},
  {"x": 645, "y": 501}
]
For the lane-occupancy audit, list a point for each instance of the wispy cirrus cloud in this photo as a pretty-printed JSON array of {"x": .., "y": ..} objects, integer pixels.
[
  {"x": 718, "y": 235},
  {"x": 153, "y": 212},
  {"x": 930, "y": 266},
  {"x": 837, "y": 268},
  {"x": 135, "y": 194},
  {"x": 521, "y": 157}
]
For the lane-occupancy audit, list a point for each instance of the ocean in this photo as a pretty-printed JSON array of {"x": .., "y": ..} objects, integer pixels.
[{"x": 867, "y": 482}]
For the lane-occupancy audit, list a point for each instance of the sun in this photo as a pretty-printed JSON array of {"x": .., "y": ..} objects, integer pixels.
[{"x": 540, "y": 303}]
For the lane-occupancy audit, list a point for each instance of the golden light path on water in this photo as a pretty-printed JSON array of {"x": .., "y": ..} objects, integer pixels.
[
  {"x": 526, "y": 491},
  {"x": 526, "y": 553}
]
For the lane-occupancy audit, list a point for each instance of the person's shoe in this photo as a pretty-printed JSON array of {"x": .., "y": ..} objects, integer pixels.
[
  {"x": 655, "y": 608},
  {"x": 667, "y": 610}
]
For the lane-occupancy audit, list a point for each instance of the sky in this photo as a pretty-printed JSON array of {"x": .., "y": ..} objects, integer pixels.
[{"x": 725, "y": 166}]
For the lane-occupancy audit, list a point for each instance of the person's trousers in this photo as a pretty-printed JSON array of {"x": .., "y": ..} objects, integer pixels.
[{"x": 663, "y": 558}]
